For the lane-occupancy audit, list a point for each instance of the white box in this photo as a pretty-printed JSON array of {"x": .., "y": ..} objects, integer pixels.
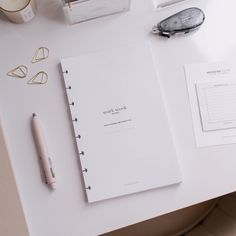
[
  {"x": 165, "y": 3},
  {"x": 82, "y": 10}
]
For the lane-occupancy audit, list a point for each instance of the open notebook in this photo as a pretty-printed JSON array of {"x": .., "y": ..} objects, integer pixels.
[
  {"x": 120, "y": 122},
  {"x": 12, "y": 219}
]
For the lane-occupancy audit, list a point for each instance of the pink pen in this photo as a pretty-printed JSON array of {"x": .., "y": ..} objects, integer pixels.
[{"x": 45, "y": 160}]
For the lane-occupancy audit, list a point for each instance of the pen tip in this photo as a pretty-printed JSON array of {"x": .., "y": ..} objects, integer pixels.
[{"x": 34, "y": 114}]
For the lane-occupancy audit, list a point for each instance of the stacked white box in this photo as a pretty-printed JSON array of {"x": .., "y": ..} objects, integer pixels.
[{"x": 83, "y": 10}]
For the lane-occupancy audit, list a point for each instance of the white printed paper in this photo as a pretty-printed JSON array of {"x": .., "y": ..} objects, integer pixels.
[
  {"x": 212, "y": 94},
  {"x": 217, "y": 104}
]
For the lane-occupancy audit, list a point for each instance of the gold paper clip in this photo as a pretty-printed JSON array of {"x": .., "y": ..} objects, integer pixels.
[
  {"x": 42, "y": 53},
  {"x": 40, "y": 78},
  {"x": 18, "y": 72}
]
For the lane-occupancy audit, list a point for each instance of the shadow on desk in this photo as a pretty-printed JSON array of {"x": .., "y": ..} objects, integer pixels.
[
  {"x": 216, "y": 217},
  {"x": 12, "y": 219},
  {"x": 3, "y": 17}
]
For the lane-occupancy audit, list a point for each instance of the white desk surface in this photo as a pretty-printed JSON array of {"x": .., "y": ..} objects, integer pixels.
[{"x": 207, "y": 172}]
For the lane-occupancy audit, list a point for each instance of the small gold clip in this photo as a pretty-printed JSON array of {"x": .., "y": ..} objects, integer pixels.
[
  {"x": 40, "y": 78},
  {"x": 18, "y": 72},
  {"x": 42, "y": 53}
]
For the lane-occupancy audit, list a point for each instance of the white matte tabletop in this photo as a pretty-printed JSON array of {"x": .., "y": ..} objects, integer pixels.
[{"x": 207, "y": 172}]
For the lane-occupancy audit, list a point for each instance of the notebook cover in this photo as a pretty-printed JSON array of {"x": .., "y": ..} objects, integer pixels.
[{"x": 120, "y": 122}]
